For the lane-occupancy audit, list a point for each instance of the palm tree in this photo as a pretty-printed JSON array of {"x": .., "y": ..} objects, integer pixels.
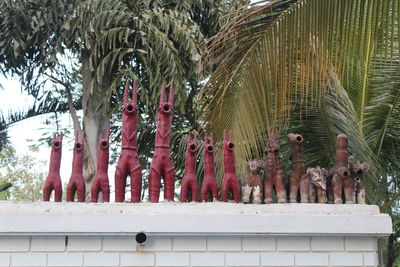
[{"x": 318, "y": 68}]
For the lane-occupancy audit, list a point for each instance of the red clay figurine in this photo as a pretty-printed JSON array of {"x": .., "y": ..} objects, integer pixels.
[
  {"x": 162, "y": 165},
  {"x": 189, "y": 180},
  {"x": 230, "y": 181},
  {"x": 128, "y": 162},
  {"x": 53, "y": 180},
  {"x": 209, "y": 180},
  {"x": 100, "y": 181},
  {"x": 77, "y": 182}
]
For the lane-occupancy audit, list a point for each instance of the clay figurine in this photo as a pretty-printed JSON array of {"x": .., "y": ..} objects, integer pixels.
[
  {"x": 162, "y": 165},
  {"x": 128, "y": 162},
  {"x": 341, "y": 175},
  {"x": 317, "y": 189},
  {"x": 209, "y": 180},
  {"x": 298, "y": 177},
  {"x": 100, "y": 180},
  {"x": 53, "y": 180},
  {"x": 357, "y": 171},
  {"x": 77, "y": 182},
  {"x": 230, "y": 181},
  {"x": 189, "y": 180},
  {"x": 274, "y": 176},
  {"x": 253, "y": 183}
]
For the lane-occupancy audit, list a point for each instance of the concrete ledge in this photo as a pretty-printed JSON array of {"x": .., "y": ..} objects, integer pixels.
[{"x": 21, "y": 218}]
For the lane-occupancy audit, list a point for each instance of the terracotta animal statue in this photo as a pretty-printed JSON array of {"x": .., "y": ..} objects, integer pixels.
[
  {"x": 100, "y": 180},
  {"x": 230, "y": 181},
  {"x": 209, "y": 180},
  {"x": 317, "y": 185},
  {"x": 298, "y": 177},
  {"x": 253, "y": 183},
  {"x": 53, "y": 180},
  {"x": 76, "y": 183},
  {"x": 274, "y": 176},
  {"x": 162, "y": 165},
  {"x": 128, "y": 162},
  {"x": 189, "y": 180},
  {"x": 341, "y": 180},
  {"x": 357, "y": 171}
]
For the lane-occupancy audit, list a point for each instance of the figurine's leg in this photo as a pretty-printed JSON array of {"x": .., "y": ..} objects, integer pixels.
[
  {"x": 95, "y": 190},
  {"x": 194, "y": 189},
  {"x": 361, "y": 195},
  {"x": 268, "y": 189},
  {"x": 154, "y": 184},
  {"x": 184, "y": 189},
  {"x": 337, "y": 186},
  {"x": 235, "y": 187},
  {"x": 280, "y": 187},
  {"x": 136, "y": 184},
  {"x": 257, "y": 193},
  {"x": 81, "y": 190},
  {"x": 294, "y": 187},
  {"x": 47, "y": 191},
  {"x": 311, "y": 193},
  {"x": 214, "y": 190},
  {"x": 348, "y": 190},
  {"x": 304, "y": 185},
  {"x": 204, "y": 191},
  {"x": 71, "y": 188},
  {"x": 225, "y": 189},
  {"x": 321, "y": 195},
  {"x": 246, "y": 192},
  {"x": 120, "y": 182},
  {"x": 58, "y": 191},
  {"x": 105, "y": 189},
  {"x": 169, "y": 183}
]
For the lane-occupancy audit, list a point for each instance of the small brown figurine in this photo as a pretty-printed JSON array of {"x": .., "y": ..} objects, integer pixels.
[
  {"x": 253, "y": 183},
  {"x": 274, "y": 175},
  {"x": 317, "y": 189},
  {"x": 341, "y": 172},
  {"x": 357, "y": 171},
  {"x": 298, "y": 177}
]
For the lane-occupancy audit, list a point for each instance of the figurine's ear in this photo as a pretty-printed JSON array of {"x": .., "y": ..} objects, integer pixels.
[
  {"x": 310, "y": 171},
  {"x": 134, "y": 93},
  {"x": 211, "y": 139},
  {"x": 162, "y": 95},
  {"x": 195, "y": 139},
  {"x": 171, "y": 94},
  {"x": 205, "y": 139},
  {"x": 61, "y": 136},
  {"x": 126, "y": 92},
  {"x": 188, "y": 139},
  {"x": 365, "y": 166},
  {"x": 83, "y": 137},
  {"x": 54, "y": 137},
  {"x": 230, "y": 136}
]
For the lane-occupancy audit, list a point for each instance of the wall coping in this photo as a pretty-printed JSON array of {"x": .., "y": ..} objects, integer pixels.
[{"x": 173, "y": 218}]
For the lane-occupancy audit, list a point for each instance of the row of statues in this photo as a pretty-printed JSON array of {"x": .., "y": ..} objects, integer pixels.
[{"x": 342, "y": 184}]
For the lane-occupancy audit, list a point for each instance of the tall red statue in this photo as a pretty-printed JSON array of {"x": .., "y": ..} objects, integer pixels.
[
  {"x": 189, "y": 180},
  {"x": 53, "y": 180},
  {"x": 77, "y": 182},
  {"x": 209, "y": 180},
  {"x": 100, "y": 181},
  {"x": 274, "y": 176},
  {"x": 162, "y": 165},
  {"x": 230, "y": 181},
  {"x": 128, "y": 162},
  {"x": 341, "y": 173},
  {"x": 298, "y": 177}
]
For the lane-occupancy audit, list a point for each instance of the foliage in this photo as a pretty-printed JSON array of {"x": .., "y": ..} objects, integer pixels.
[
  {"x": 25, "y": 173},
  {"x": 318, "y": 68}
]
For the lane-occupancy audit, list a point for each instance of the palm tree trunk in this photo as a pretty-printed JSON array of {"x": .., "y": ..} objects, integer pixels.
[{"x": 95, "y": 119}]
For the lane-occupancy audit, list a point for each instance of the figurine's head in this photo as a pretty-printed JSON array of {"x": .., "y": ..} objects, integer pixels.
[
  {"x": 191, "y": 143},
  {"x": 209, "y": 143},
  {"x": 318, "y": 176},
  {"x": 78, "y": 145},
  {"x": 255, "y": 166},
  {"x": 343, "y": 171},
  {"x": 273, "y": 145},
  {"x": 295, "y": 138},
  {"x": 166, "y": 107},
  {"x": 341, "y": 141},
  {"x": 56, "y": 142},
  {"x": 357, "y": 168},
  {"x": 104, "y": 141},
  {"x": 130, "y": 107},
  {"x": 228, "y": 144}
]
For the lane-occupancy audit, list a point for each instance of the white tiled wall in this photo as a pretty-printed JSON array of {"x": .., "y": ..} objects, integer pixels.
[{"x": 188, "y": 251}]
